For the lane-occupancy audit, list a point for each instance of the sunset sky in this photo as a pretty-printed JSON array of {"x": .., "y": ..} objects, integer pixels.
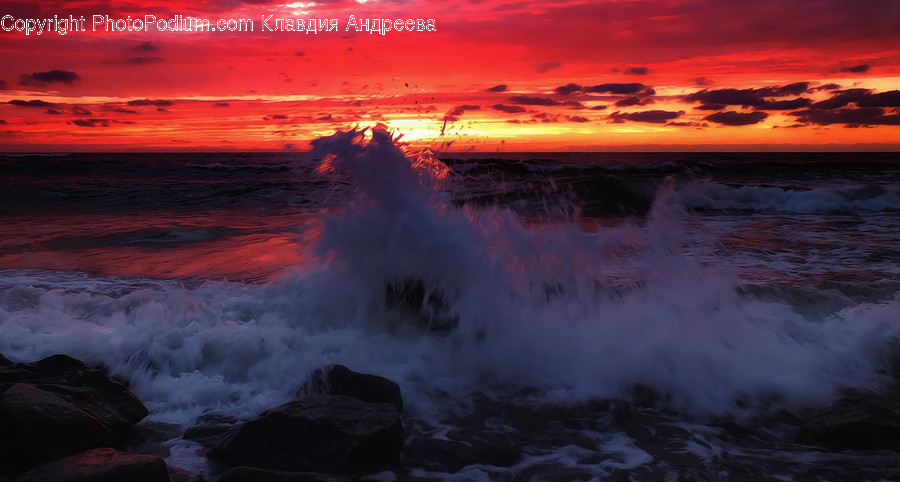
[{"x": 568, "y": 75}]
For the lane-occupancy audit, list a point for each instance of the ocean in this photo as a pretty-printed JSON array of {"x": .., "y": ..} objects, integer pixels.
[{"x": 523, "y": 296}]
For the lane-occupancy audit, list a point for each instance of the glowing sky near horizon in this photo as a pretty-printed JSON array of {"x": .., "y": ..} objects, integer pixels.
[{"x": 565, "y": 75}]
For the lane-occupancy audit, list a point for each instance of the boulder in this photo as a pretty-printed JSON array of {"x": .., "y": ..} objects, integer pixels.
[
  {"x": 428, "y": 306},
  {"x": 57, "y": 407},
  {"x": 854, "y": 423},
  {"x": 250, "y": 474},
  {"x": 319, "y": 433},
  {"x": 180, "y": 475},
  {"x": 209, "y": 429},
  {"x": 100, "y": 465},
  {"x": 340, "y": 380},
  {"x": 448, "y": 456}
]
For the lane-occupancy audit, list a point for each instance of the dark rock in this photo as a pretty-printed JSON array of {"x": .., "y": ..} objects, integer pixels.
[
  {"x": 251, "y": 474},
  {"x": 4, "y": 361},
  {"x": 854, "y": 423},
  {"x": 428, "y": 306},
  {"x": 320, "y": 433},
  {"x": 57, "y": 407},
  {"x": 40, "y": 426},
  {"x": 210, "y": 428},
  {"x": 79, "y": 383},
  {"x": 180, "y": 475},
  {"x": 148, "y": 438},
  {"x": 100, "y": 465},
  {"x": 436, "y": 455},
  {"x": 340, "y": 380},
  {"x": 207, "y": 435}
]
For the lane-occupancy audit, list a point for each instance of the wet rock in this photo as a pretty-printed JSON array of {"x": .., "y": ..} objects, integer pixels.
[
  {"x": 148, "y": 437},
  {"x": 319, "y": 433},
  {"x": 854, "y": 423},
  {"x": 250, "y": 474},
  {"x": 180, "y": 475},
  {"x": 210, "y": 428},
  {"x": 340, "y": 380},
  {"x": 428, "y": 305},
  {"x": 436, "y": 455},
  {"x": 100, "y": 465},
  {"x": 57, "y": 407}
]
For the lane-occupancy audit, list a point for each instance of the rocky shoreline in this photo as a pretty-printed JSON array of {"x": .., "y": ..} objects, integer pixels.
[{"x": 64, "y": 420}]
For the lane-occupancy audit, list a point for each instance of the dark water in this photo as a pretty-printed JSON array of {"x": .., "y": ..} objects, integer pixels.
[{"x": 731, "y": 286}]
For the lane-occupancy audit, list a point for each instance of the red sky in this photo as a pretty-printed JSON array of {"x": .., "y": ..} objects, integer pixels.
[{"x": 503, "y": 75}]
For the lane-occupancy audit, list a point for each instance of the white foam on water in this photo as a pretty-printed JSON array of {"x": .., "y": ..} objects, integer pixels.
[
  {"x": 575, "y": 314},
  {"x": 770, "y": 199}
]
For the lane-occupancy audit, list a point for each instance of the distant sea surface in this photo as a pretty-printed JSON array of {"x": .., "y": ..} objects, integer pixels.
[{"x": 732, "y": 285}]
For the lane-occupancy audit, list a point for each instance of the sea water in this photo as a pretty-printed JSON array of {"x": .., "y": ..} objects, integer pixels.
[{"x": 728, "y": 285}]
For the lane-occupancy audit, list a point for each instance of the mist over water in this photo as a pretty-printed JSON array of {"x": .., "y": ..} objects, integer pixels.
[{"x": 398, "y": 265}]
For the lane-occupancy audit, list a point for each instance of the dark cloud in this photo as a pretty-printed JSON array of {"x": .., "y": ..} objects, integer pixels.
[
  {"x": 574, "y": 104},
  {"x": 797, "y": 103},
  {"x": 2, "y": 122},
  {"x": 617, "y": 88},
  {"x": 748, "y": 97},
  {"x": 700, "y": 81},
  {"x": 80, "y": 111},
  {"x": 145, "y": 47},
  {"x": 598, "y": 107},
  {"x": 631, "y": 101},
  {"x": 752, "y": 97},
  {"x": 146, "y": 102},
  {"x": 32, "y": 103},
  {"x": 123, "y": 110},
  {"x": 547, "y": 66},
  {"x": 525, "y": 100},
  {"x": 545, "y": 117},
  {"x": 711, "y": 106},
  {"x": 498, "y": 88},
  {"x": 842, "y": 98},
  {"x": 860, "y": 97},
  {"x": 826, "y": 87},
  {"x": 632, "y": 88},
  {"x": 577, "y": 118},
  {"x": 509, "y": 109},
  {"x": 91, "y": 122},
  {"x": 567, "y": 89},
  {"x": 279, "y": 116},
  {"x": 687, "y": 124},
  {"x": 796, "y": 88},
  {"x": 41, "y": 79},
  {"x": 53, "y": 111},
  {"x": 861, "y": 116},
  {"x": 143, "y": 60},
  {"x": 890, "y": 98},
  {"x": 637, "y": 71},
  {"x": 458, "y": 110},
  {"x": 221, "y": 104},
  {"x": 300, "y": 53},
  {"x": 736, "y": 118},
  {"x": 856, "y": 69},
  {"x": 652, "y": 116}
]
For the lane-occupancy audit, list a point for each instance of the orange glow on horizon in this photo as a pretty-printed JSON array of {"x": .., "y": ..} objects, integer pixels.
[{"x": 487, "y": 79}]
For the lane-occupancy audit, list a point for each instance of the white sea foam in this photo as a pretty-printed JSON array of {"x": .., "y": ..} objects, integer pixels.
[
  {"x": 770, "y": 199},
  {"x": 572, "y": 313}
]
